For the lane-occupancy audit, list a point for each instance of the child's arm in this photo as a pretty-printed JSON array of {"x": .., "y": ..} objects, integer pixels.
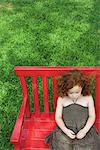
[
  {"x": 59, "y": 121},
  {"x": 92, "y": 116},
  {"x": 58, "y": 115}
]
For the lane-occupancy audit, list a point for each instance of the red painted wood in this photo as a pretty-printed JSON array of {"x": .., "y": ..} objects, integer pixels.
[
  {"x": 54, "y": 84},
  {"x": 17, "y": 146},
  {"x": 15, "y": 138},
  {"x": 51, "y": 70},
  {"x": 29, "y": 132},
  {"x": 35, "y": 94},
  {"x": 45, "y": 93},
  {"x": 24, "y": 94},
  {"x": 27, "y": 110},
  {"x": 24, "y": 86},
  {"x": 34, "y": 131},
  {"x": 97, "y": 102}
]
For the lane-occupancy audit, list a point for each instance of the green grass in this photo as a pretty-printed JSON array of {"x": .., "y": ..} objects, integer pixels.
[{"x": 42, "y": 33}]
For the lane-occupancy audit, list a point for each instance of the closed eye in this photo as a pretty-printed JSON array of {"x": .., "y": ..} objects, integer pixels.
[{"x": 75, "y": 92}]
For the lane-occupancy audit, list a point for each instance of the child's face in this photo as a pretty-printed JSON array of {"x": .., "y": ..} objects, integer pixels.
[{"x": 75, "y": 92}]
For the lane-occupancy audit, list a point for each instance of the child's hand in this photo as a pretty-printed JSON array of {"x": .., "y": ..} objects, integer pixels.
[
  {"x": 81, "y": 134},
  {"x": 70, "y": 133}
]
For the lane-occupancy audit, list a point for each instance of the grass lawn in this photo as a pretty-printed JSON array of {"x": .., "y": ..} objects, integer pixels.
[{"x": 42, "y": 33}]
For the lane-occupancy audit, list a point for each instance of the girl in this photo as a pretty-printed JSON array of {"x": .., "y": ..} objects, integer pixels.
[{"x": 75, "y": 115}]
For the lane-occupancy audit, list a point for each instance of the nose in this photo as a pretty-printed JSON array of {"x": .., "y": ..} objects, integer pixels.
[{"x": 74, "y": 96}]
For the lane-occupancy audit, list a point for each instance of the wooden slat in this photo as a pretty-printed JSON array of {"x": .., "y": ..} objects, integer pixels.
[
  {"x": 17, "y": 146},
  {"x": 97, "y": 102},
  {"x": 98, "y": 92},
  {"x": 35, "y": 94},
  {"x": 27, "y": 112},
  {"x": 45, "y": 93},
  {"x": 25, "y": 93},
  {"x": 54, "y": 89},
  {"x": 24, "y": 86}
]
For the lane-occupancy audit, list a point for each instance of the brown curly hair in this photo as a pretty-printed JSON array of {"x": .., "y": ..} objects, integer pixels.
[{"x": 68, "y": 80}]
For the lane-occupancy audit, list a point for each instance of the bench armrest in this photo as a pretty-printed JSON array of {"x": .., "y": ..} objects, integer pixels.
[{"x": 19, "y": 122}]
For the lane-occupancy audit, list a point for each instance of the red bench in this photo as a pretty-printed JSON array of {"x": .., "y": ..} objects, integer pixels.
[{"x": 31, "y": 127}]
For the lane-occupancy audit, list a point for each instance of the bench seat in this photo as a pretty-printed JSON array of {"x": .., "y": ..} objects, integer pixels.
[{"x": 35, "y": 129}]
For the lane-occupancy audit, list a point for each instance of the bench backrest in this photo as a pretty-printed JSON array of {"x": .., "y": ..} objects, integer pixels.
[{"x": 53, "y": 72}]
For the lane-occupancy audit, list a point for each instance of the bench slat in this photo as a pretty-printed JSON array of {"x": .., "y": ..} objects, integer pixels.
[
  {"x": 24, "y": 86},
  {"x": 54, "y": 87},
  {"x": 97, "y": 102},
  {"x": 45, "y": 93},
  {"x": 35, "y": 94}
]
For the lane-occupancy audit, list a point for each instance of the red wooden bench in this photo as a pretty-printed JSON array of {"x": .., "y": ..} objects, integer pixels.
[{"x": 31, "y": 127}]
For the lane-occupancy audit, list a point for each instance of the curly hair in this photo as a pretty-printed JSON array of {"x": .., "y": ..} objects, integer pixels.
[{"x": 68, "y": 80}]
